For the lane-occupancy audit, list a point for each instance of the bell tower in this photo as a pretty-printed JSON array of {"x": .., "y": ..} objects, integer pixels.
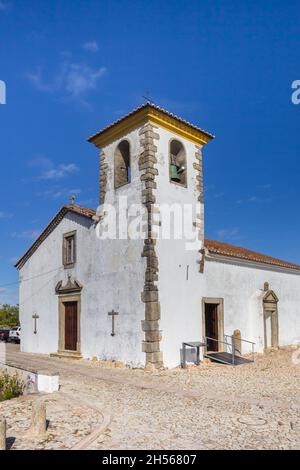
[{"x": 154, "y": 158}]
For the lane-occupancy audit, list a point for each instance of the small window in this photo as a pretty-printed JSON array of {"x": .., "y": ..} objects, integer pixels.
[
  {"x": 122, "y": 164},
  {"x": 69, "y": 249},
  {"x": 177, "y": 162}
]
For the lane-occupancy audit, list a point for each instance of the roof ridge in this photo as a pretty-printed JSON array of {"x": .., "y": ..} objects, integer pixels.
[
  {"x": 75, "y": 208},
  {"x": 139, "y": 108},
  {"x": 227, "y": 249},
  {"x": 78, "y": 207}
]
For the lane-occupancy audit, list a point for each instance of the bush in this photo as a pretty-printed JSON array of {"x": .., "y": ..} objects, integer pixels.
[{"x": 10, "y": 386}]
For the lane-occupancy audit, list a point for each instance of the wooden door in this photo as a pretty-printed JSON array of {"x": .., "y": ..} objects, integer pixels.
[
  {"x": 211, "y": 326},
  {"x": 71, "y": 327}
]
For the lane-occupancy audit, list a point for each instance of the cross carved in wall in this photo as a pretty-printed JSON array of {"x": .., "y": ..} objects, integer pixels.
[
  {"x": 35, "y": 317},
  {"x": 113, "y": 314}
]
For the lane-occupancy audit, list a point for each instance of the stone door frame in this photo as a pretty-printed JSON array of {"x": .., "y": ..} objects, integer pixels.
[
  {"x": 220, "y": 311},
  {"x": 62, "y": 299},
  {"x": 270, "y": 307}
]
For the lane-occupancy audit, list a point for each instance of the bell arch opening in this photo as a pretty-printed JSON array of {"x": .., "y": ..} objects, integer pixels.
[
  {"x": 177, "y": 163},
  {"x": 122, "y": 164}
]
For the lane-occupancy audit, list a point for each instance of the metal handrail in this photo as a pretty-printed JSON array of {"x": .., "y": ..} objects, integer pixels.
[
  {"x": 232, "y": 345},
  {"x": 218, "y": 340},
  {"x": 223, "y": 342},
  {"x": 233, "y": 338},
  {"x": 240, "y": 339}
]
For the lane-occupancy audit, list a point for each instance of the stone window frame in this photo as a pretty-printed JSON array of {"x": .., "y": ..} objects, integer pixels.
[
  {"x": 181, "y": 185},
  {"x": 67, "y": 235},
  {"x": 129, "y": 166}
]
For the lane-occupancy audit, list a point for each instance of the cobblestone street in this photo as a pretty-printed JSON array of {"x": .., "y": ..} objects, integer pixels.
[{"x": 212, "y": 406}]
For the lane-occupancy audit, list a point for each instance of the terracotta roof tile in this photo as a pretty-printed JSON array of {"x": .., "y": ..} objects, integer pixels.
[
  {"x": 145, "y": 105},
  {"x": 226, "y": 249},
  {"x": 81, "y": 210},
  {"x": 84, "y": 211}
]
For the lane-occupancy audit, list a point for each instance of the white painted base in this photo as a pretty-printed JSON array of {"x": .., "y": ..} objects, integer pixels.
[{"x": 48, "y": 383}]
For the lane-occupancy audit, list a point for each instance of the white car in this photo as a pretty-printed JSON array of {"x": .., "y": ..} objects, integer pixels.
[{"x": 15, "y": 335}]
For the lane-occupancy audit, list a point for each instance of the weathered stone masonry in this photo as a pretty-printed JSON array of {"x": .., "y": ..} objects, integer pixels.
[
  {"x": 200, "y": 216},
  {"x": 150, "y": 294},
  {"x": 103, "y": 177}
]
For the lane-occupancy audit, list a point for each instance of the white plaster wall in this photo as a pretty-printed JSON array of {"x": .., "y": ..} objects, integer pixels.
[
  {"x": 39, "y": 277},
  {"x": 239, "y": 286},
  {"x": 111, "y": 279},
  {"x": 242, "y": 290},
  {"x": 123, "y": 268},
  {"x": 180, "y": 296},
  {"x": 112, "y": 273}
]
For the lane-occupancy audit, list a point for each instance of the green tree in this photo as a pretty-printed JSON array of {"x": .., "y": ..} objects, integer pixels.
[{"x": 9, "y": 315}]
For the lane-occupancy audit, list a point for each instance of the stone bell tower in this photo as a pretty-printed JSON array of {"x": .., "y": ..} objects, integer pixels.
[{"x": 154, "y": 158}]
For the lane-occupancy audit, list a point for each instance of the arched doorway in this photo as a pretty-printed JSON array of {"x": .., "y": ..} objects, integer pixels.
[{"x": 270, "y": 307}]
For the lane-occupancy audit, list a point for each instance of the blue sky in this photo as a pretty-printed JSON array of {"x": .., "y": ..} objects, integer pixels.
[{"x": 71, "y": 67}]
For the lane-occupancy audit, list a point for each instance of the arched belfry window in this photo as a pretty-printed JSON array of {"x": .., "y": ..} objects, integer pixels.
[
  {"x": 122, "y": 164},
  {"x": 177, "y": 163}
]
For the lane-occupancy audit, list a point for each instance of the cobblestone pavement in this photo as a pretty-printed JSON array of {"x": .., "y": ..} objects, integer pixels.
[{"x": 212, "y": 406}]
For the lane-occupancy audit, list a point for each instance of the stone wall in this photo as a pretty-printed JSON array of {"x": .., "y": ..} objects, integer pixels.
[
  {"x": 103, "y": 177},
  {"x": 150, "y": 294},
  {"x": 199, "y": 223}
]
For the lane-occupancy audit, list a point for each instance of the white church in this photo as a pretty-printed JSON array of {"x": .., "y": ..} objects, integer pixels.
[{"x": 137, "y": 300}]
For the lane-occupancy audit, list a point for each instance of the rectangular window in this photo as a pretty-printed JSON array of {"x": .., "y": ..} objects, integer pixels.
[{"x": 69, "y": 249}]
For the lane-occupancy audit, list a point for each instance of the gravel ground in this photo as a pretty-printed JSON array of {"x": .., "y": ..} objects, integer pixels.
[{"x": 212, "y": 406}]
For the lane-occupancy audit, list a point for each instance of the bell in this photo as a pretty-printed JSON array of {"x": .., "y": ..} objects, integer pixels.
[{"x": 174, "y": 173}]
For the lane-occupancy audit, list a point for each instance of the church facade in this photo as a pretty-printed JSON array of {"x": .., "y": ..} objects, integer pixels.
[{"x": 137, "y": 299}]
